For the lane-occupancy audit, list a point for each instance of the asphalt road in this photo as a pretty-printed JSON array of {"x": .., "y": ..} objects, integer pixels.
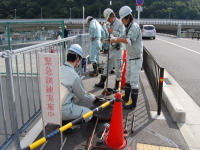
[{"x": 181, "y": 58}]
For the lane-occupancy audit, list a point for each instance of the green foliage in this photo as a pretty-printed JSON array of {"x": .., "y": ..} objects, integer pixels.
[{"x": 163, "y": 9}]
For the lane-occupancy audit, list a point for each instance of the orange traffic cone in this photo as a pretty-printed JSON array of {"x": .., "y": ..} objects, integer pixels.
[
  {"x": 123, "y": 79},
  {"x": 115, "y": 138}
]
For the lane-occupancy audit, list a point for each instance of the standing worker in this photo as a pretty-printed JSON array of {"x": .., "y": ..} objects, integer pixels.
[
  {"x": 72, "y": 81},
  {"x": 95, "y": 37},
  {"x": 134, "y": 46},
  {"x": 115, "y": 50}
]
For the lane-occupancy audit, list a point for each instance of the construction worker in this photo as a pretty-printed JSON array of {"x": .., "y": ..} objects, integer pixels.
[
  {"x": 95, "y": 37},
  {"x": 134, "y": 46},
  {"x": 72, "y": 81},
  {"x": 116, "y": 29}
]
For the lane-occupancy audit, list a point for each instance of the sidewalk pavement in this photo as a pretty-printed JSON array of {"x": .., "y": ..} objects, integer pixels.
[{"x": 184, "y": 111}]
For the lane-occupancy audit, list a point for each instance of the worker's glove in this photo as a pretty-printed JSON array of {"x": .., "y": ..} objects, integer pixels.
[
  {"x": 106, "y": 41},
  {"x": 93, "y": 97},
  {"x": 113, "y": 39}
]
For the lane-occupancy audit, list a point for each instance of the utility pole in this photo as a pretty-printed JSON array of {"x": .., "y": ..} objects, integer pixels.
[
  {"x": 70, "y": 13},
  {"x": 41, "y": 14},
  {"x": 15, "y": 14},
  {"x": 83, "y": 19},
  {"x": 100, "y": 13}
]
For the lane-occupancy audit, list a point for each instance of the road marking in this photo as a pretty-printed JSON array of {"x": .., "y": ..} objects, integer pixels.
[
  {"x": 189, "y": 40},
  {"x": 179, "y": 46}
]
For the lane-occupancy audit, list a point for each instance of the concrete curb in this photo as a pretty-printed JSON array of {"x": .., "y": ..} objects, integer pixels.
[{"x": 177, "y": 112}]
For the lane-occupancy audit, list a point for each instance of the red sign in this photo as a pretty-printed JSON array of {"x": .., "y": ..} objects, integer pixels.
[{"x": 139, "y": 2}]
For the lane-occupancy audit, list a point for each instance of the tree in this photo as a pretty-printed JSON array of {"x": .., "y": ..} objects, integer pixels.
[{"x": 175, "y": 9}]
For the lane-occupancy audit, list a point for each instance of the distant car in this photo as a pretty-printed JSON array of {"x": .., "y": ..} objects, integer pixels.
[{"x": 148, "y": 31}]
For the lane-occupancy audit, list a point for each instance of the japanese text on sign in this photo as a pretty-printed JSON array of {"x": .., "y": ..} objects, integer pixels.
[{"x": 49, "y": 86}]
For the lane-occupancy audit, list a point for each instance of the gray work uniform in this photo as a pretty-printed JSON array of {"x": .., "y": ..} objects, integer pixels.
[
  {"x": 134, "y": 54},
  {"x": 106, "y": 36},
  {"x": 72, "y": 81},
  {"x": 115, "y": 57},
  {"x": 95, "y": 36}
]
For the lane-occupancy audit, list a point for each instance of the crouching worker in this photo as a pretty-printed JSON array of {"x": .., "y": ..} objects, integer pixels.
[{"x": 72, "y": 81}]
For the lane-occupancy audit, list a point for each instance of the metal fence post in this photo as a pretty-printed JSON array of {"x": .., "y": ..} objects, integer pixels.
[
  {"x": 79, "y": 41},
  {"x": 160, "y": 88},
  {"x": 11, "y": 99},
  {"x": 62, "y": 27},
  {"x": 64, "y": 46},
  {"x": 8, "y": 34}
]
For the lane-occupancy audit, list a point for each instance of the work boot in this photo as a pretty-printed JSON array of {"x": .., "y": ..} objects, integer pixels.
[
  {"x": 105, "y": 51},
  {"x": 127, "y": 92},
  {"x": 112, "y": 72},
  {"x": 95, "y": 72},
  {"x": 134, "y": 97},
  {"x": 116, "y": 86},
  {"x": 101, "y": 82}
]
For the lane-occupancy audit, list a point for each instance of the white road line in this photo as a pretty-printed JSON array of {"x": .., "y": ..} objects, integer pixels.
[
  {"x": 189, "y": 40},
  {"x": 179, "y": 46}
]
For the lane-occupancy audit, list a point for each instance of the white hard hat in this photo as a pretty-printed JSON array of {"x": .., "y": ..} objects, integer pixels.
[
  {"x": 107, "y": 13},
  {"x": 124, "y": 11},
  {"x": 87, "y": 19},
  {"x": 77, "y": 49}
]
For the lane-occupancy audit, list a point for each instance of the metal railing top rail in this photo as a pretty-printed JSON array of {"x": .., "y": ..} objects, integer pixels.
[
  {"x": 28, "y": 21},
  {"x": 25, "y": 49},
  {"x": 81, "y": 20},
  {"x": 156, "y": 62}
]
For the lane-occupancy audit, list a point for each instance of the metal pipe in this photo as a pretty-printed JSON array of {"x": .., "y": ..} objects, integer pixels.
[
  {"x": 91, "y": 138},
  {"x": 38, "y": 79},
  {"x": 3, "y": 109},
  {"x": 36, "y": 47},
  {"x": 11, "y": 100},
  {"x": 19, "y": 88},
  {"x": 31, "y": 64},
  {"x": 108, "y": 62},
  {"x": 160, "y": 88},
  {"x": 28, "y": 101},
  {"x": 8, "y": 34}
]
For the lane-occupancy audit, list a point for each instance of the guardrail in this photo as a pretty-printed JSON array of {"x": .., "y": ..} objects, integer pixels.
[
  {"x": 19, "y": 86},
  {"x": 16, "y": 34},
  {"x": 142, "y": 21},
  {"x": 155, "y": 75}
]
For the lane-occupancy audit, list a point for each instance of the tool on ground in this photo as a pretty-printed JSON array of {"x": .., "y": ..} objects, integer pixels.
[
  {"x": 101, "y": 98},
  {"x": 95, "y": 126},
  {"x": 106, "y": 125},
  {"x": 107, "y": 91},
  {"x": 107, "y": 65},
  {"x": 123, "y": 71}
]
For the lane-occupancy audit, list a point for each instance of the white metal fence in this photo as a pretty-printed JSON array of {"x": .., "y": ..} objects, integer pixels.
[{"x": 19, "y": 86}]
